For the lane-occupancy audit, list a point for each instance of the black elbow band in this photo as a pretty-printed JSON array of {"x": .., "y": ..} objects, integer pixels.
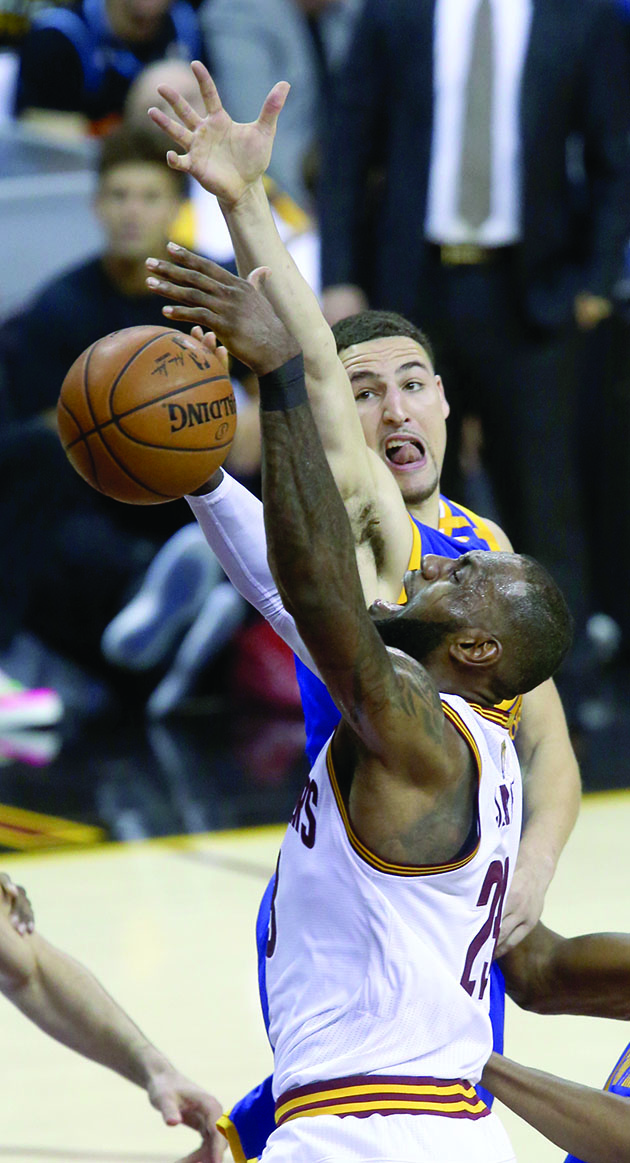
[{"x": 284, "y": 388}]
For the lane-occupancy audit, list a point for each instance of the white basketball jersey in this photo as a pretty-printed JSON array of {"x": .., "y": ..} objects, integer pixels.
[{"x": 380, "y": 968}]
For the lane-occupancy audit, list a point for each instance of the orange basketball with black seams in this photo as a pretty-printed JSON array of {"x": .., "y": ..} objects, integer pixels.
[{"x": 146, "y": 414}]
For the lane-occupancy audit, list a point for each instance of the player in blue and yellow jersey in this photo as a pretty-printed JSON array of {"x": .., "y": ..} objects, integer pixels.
[{"x": 384, "y": 438}]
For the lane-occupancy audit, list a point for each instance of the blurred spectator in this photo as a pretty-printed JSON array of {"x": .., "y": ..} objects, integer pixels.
[
  {"x": 80, "y": 555},
  {"x": 78, "y": 61},
  {"x": 184, "y": 612},
  {"x": 169, "y": 620},
  {"x": 494, "y": 138},
  {"x": 136, "y": 200},
  {"x": 254, "y": 43},
  {"x": 24, "y": 520}
]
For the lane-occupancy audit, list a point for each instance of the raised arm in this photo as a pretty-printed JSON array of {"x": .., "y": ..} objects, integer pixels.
[
  {"x": 237, "y": 312},
  {"x": 387, "y": 700},
  {"x": 228, "y": 159},
  {"x": 591, "y": 1124}
]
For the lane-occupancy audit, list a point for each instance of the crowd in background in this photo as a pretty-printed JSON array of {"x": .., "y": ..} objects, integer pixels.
[{"x": 522, "y": 286}]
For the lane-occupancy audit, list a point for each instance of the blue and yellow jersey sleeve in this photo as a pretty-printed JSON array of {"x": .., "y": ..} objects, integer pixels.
[
  {"x": 618, "y": 1080},
  {"x": 466, "y": 529},
  {"x": 249, "y": 1123},
  {"x": 459, "y": 530}
]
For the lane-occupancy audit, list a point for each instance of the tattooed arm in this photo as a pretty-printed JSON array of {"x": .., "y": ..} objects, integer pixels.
[{"x": 390, "y": 704}]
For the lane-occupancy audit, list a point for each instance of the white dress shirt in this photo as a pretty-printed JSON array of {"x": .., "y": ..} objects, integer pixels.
[{"x": 452, "y": 47}]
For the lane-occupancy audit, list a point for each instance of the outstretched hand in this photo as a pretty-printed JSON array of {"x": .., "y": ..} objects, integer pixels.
[
  {"x": 225, "y": 156},
  {"x": 234, "y": 309},
  {"x": 182, "y": 1102}
]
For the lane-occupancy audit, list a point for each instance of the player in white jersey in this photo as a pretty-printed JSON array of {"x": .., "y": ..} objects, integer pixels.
[
  {"x": 367, "y": 957},
  {"x": 398, "y": 855}
]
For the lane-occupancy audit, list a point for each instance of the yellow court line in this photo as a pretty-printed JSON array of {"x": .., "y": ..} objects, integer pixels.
[
  {"x": 184, "y": 844},
  {"x": 606, "y": 796},
  {"x": 24, "y": 829},
  {"x": 36, "y": 833}
]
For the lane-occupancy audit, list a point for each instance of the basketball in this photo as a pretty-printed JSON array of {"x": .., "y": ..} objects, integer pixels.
[{"x": 146, "y": 415}]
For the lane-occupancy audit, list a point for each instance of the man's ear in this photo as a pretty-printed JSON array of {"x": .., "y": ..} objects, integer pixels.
[
  {"x": 475, "y": 648},
  {"x": 446, "y": 407}
]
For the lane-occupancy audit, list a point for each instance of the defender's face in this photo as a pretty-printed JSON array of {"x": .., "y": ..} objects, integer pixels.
[
  {"x": 402, "y": 409},
  {"x": 137, "y": 204}
]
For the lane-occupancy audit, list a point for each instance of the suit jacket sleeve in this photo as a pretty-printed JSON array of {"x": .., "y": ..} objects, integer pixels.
[
  {"x": 358, "y": 126},
  {"x": 606, "y": 120}
]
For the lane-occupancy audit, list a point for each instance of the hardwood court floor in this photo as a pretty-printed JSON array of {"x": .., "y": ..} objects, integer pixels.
[{"x": 167, "y": 925}]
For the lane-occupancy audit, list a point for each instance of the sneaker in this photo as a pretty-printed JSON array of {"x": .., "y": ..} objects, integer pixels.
[
  {"x": 22, "y": 706},
  {"x": 35, "y": 748},
  {"x": 174, "y": 589},
  {"x": 222, "y": 614}
]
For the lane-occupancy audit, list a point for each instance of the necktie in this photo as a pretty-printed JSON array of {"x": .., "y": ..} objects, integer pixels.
[{"x": 476, "y": 159}]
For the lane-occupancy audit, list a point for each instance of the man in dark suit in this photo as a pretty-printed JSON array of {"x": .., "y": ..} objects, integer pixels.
[{"x": 493, "y": 138}]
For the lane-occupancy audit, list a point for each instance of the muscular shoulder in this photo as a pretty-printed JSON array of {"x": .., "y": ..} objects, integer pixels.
[
  {"x": 422, "y": 744},
  {"x": 499, "y": 534}
]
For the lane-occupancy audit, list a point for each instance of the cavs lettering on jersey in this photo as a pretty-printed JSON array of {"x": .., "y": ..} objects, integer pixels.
[{"x": 381, "y": 969}]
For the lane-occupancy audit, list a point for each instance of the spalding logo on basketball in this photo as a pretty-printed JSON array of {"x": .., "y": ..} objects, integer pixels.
[{"x": 146, "y": 414}]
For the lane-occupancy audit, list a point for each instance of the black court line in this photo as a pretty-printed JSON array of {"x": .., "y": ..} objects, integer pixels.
[{"x": 229, "y": 863}]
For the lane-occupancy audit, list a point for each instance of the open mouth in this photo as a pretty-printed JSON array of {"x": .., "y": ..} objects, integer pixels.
[
  {"x": 381, "y": 609},
  {"x": 407, "y": 452}
]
